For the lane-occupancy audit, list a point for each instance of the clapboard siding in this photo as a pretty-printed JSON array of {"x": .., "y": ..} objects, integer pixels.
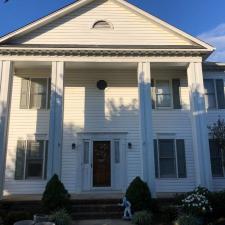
[
  {"x": 75, "y": 28},
  {"x": 213, "y": 116},
  {"x": 23, "y": 124}
]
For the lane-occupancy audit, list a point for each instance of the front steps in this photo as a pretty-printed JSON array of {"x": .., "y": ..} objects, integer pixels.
[
  {"x": 97, "y": 209},
  {"x": 82, "y": 209}
]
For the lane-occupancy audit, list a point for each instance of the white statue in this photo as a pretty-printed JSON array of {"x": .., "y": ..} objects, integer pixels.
[{"x": 127, "y": 215}]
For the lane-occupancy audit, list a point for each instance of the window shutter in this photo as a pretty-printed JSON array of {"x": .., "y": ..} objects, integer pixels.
[
  {"x": 181, "y": 160},
  {"x": 49, "y": 93},
  {"x": 156, "y": 159},
  {"x": 176, "y": 93},
  {"x": 153, "y": 93},
  {"x": 220, "y": 93},
  {"x": 20, "y": 160},
  {"x": 46, "y": 160},
  {"x": 24, "y": 96}
]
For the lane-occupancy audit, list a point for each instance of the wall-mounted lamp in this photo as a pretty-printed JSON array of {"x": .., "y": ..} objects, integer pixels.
[
  {"x": 130, "y": 145},
  {"x": 73, "y": 146}
]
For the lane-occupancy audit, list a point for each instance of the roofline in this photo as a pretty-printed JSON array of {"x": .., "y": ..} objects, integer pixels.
[
  {"x": 67, "y": 9},
  {"x": 214, "y": 66}
]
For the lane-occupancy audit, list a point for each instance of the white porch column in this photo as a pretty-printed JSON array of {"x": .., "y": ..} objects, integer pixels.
[
  {"x": 199, "y": 125},
  {"x": 146, "y": 133},
  {"x": 5, "y": 95},
  {"x": 56, "y": 120}
]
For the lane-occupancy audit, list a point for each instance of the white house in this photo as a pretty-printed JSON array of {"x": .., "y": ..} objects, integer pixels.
[{"x": 100, "y": 92}]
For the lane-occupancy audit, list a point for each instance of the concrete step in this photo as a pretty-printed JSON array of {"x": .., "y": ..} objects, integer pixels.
[{"x": 96, "y": 215}]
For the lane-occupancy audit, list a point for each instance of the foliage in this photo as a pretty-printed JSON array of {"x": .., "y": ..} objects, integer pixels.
[
  {"x": 142, "y": 218},
  {"x": 197, "y": 202},
  {"x": 218, "y": 132},
  {"x": 139, "y": 195},
  {"x": 169, "y": 214},
  {"x": 61, "y": 217},
  {"x": 14, "y": 216},
  {"x": 55, "y": 196},
  {"x": 217, "y": 200},
  {"x": 1, "y": 221},
  {"x": 186, "y": 220}
]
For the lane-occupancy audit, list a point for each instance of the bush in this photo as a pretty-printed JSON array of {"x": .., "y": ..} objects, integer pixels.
[
  {"x": 169, "y": 214},
  {"x": 217, "y": 200},
  {"x": 55, "y": 196},
  {"x": 197, "y": 202},
  {"x": 187, "y": 220},
  {"x": 61, "y": 217},
  {"x": 139, "y": 195},
  {"x": 15, "y": 216},
  {"x": 142, "y": 218}
]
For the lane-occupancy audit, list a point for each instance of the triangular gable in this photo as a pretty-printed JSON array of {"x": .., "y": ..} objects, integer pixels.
[{"x": 72, "y": 25}]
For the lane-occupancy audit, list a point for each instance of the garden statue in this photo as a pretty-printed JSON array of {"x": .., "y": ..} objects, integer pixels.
[{"x": 127, "y": 215}]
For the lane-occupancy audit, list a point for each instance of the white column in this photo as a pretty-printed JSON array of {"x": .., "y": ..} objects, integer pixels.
[
  {"x": 5, "y": 96},
  {"x": 199, "y": 126},
  {"x": 146, "y": 133},
  {"x": 56, "y": 120}
]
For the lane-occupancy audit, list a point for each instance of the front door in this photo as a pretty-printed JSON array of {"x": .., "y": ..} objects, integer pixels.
[{"x": 101, "y": 164}]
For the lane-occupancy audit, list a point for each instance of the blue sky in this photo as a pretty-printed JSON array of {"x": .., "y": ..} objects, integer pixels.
[{"x": 202, "y": 18}]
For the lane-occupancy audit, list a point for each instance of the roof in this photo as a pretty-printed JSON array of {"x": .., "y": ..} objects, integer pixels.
[{"x": 78, "y": 4}]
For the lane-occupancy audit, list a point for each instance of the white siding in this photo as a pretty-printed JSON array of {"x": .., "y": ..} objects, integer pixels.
[
  {"x": 129, "y": 28},
  {"x": 23, "y": 124},
  {"x": 213, "y": 116}
]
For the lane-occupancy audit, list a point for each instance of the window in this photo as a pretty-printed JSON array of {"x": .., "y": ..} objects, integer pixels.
[
  {"x": 214, "y": 93},
  {"x": 102, "y": 24},
  {"x": 163, "y": 94},
  {"x": 31, "y": 159},
  {"x": 35, "y": 93},
  {"x": 170, "y": 159},
  {"x": 210, "y": 94},
  {"x": 217, "y": 159}
]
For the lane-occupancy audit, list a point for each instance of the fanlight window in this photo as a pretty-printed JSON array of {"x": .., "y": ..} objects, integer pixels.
[{"x": 102, "y": 24}]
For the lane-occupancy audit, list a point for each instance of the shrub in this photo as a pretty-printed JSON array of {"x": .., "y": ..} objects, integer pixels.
[
  {"x": 142, "y": 218},
  {"x": 61, "y": 217},
  {"x": 217, "y": 200},
  {"x": 187, "y": 220},
  {"x": 197, "y": 202},
  {"x": 139, "y": 195},
  {"x": 1, "y": 221},
  {"x": 169, "y": 214},
  {"x": 55, "y": 196},
  {"x": 14, "y": 216}
]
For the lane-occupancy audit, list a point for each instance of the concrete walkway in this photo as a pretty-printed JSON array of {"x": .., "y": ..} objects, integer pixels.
[{"x": 102, "y": 222}]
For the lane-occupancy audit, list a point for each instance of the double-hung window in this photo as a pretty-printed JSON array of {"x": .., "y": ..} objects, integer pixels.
[
  {"x": 214, "y": 93},
  {"x": 163, "y": 94},
  {"x": 217, "y": 159},
  {"x": 170, "y": 159},
  {"x": 35, "y": 93},
  {"x": 31, "y": 159}
]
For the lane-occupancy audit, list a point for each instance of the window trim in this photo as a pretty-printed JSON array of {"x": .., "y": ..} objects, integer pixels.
[
  {"x": 175, "y": 156},
  {"x": 215, "y": 93},
  {"x": 111, "y": 27},
  {"x": 44, "y": 162},
  {"x": 48, "y": 93},
  {"x": 171, "y": 93}
]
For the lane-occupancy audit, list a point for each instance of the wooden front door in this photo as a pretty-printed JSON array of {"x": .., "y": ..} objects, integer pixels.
[{"x": 101, "y": 164}]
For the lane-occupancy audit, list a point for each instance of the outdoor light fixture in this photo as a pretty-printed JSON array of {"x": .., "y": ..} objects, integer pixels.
[
  {"x": 130, "y": 145},
  {"x": 74, "y": 146},
  {"x": 101, "y": 84}
]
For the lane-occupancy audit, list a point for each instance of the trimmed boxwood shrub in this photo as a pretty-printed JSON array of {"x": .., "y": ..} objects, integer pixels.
[
  {"x": 55, "y": 196},
  {"x": 14, "y": 216},
  {"x": 142, "y": 218},
  {"x": 139, "y": 195}
]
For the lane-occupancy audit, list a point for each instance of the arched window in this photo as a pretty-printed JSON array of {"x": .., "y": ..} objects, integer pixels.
[{"x": 102, "y": 24}]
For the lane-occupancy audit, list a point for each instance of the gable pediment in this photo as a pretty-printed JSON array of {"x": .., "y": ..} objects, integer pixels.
[{"x": 129, "y": 28}]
